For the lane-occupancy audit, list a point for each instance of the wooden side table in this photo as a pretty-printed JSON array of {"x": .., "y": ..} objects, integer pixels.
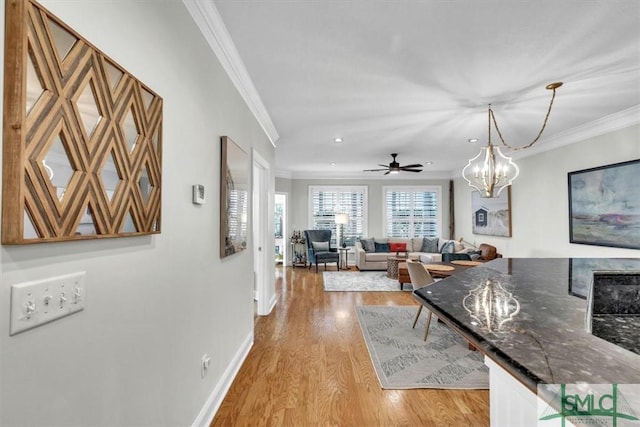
[
  {"x": 344, "y": 258},
  {"x": 403, "y": 274},
  {"x": 392, "y": 266}
]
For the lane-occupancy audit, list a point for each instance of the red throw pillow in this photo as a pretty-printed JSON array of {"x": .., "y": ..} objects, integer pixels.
[{"x": 398, "y": 247}]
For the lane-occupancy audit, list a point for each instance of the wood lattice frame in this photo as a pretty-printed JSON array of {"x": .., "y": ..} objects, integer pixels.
[{"x": 28, "y": 192}]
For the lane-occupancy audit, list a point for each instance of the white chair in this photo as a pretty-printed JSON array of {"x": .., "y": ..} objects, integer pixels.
[{"x": 420, "y": 278}]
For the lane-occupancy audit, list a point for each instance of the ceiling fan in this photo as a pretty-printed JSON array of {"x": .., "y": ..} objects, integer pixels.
[{"x": 394, "y": 167}]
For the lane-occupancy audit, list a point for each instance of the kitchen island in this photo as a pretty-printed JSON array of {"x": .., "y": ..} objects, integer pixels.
[{"x": 532, "y": 318}]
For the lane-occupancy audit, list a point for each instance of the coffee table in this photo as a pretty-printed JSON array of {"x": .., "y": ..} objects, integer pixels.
[{"x": 445, "y": 269}]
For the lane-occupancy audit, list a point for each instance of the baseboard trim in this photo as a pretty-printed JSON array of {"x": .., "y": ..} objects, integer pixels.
[
  {"x": 272, "y": 303},
  {"x": 211, "y": 406}
]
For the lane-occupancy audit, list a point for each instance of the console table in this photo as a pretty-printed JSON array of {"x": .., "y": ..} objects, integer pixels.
[{"x": 298, "y": 254}]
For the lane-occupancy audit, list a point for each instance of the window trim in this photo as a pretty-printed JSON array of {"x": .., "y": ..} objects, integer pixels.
[{"x": 413, "y": 188}]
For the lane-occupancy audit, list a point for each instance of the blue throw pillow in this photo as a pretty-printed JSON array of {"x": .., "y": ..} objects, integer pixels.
[
  {"x": 368, "y": 245},
  {"x": 382, "y": 247},
  {"x": 429, "y": 245},
  {"x": 449, "y": 247}
]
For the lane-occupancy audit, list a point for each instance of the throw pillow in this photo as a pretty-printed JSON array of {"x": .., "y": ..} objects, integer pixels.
[
  {"x": 415, "y": 245},
  {"x": 382, "y": 247},
  {"x": 430, "y": 246},
  {"x": 448, "y": 248},
  {"x": 320, "y": 246},
  {"x": 368, "y": 245},
  {"x": 398, "y": 247}
]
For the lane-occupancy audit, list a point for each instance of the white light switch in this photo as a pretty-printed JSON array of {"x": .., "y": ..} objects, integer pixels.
[{"x": 41, "y": 301}]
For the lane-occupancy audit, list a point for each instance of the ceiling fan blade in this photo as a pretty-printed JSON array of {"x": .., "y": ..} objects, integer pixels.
[
  {"x": 416, "y": 165},
  {"x": 373, "y": 170},
  {"x": 384, "y": 166},
  {"x": 387, "y": 172},
  {"x": 412, "y": 170}
]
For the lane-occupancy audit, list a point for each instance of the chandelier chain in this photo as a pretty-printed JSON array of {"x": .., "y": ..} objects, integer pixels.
[{"x": 544, "y": 124}]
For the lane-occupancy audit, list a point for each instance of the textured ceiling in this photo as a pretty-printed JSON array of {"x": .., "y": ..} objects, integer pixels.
[{"x": 415, "y": 77}]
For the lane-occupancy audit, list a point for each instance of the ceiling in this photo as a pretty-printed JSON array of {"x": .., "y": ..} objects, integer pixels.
[{"x": 415, "y": 77}]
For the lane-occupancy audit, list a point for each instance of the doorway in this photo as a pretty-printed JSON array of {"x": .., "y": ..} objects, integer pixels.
[
  {"x": 280, "y": 229},
  {"x": 262, "y": 248}
]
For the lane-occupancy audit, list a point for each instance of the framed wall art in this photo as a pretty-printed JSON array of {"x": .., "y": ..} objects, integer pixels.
[
  {"x": 604, "y": 205},
  {"x": 82, "y": 137},
  {"x": 491, "y": 216},
  {"x": 234, "y": 198}
]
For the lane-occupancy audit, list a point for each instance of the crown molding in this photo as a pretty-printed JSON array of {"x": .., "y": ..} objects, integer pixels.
[
  {"x": 281, "y": 173},
  {"x": 611, "y": 123},
  {"x": 607, "y": 124},
  {"x": 210, "y": 23}
]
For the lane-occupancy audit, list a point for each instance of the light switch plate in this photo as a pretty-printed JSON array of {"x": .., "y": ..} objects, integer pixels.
[
  {"x": 38, "y": 302},
  {"x": 198, "y": 194}
]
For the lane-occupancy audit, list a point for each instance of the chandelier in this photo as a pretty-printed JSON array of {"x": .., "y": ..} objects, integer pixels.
[
  {"x": 491, "y": 306},
  {"x": 491, "y": 171}
]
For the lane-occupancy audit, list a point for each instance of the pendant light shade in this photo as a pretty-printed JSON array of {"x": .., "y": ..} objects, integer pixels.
[{"x": 491, "y": 171}]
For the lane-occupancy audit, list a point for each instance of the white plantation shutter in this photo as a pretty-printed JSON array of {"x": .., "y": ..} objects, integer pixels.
[
  {"x": 411, "y": 211},
  {"x": 325, "y": 202}
]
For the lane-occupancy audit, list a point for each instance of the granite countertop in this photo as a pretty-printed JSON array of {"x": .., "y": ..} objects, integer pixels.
[{"x": 534, "y": 317}]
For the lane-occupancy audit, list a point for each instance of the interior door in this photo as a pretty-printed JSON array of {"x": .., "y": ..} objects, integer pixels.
[{"x": 262, "y": 249}]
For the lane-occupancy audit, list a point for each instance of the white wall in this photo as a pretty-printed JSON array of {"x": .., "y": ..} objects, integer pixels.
[
  {"x": 539, "y": 203},
  {"x": 155, "y": 304}
]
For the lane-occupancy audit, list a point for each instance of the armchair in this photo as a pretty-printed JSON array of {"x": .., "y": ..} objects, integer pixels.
[
  {"x": 488, "y": 252},
  {"x": 319, "y": 248}
]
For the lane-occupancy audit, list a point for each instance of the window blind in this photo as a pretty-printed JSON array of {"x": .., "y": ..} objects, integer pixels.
[
  {"x": 325, "y": 202},
  {"x": 412, "y": 211}
]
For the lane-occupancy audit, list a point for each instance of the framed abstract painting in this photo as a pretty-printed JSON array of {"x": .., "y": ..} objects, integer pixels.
[{"x": 604, "y": 205}]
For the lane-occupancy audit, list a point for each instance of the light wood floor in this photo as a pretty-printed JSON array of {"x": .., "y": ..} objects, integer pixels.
[{"x": 309, "y": 366}]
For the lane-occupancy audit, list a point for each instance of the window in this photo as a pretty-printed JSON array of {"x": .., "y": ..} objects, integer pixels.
[
  {"x": 325, "y": 202},
  {"x": 278, "y": 218},
  {"x": 412, "y": 211}
]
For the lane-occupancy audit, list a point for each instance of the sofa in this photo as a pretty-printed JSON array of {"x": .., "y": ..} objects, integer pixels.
[{"x": 376, "y": 259}]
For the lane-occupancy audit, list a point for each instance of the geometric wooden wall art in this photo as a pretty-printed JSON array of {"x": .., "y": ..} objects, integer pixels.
[{"x": 82, "y": 146}]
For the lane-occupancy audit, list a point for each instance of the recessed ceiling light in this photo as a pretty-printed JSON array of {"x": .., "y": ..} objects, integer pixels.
[
  {"x": 428, "y": 163},
  {"x": 472, "y": 140},
  {"x": 337, "y": 140},
  {"x": 332, "y": 163}
]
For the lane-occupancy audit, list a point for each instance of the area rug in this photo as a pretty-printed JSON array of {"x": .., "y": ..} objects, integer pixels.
[
  {"x": 357, "y": 281},
  {"x": 403, "y": 360}
]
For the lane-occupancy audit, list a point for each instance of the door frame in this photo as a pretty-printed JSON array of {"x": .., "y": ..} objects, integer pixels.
[{"x": 262, "y": 262}]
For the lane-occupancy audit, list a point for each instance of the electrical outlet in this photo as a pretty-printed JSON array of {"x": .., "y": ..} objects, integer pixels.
[
  {"x": 38, "y": 302},
  {"x": 204, "y": 365}
]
